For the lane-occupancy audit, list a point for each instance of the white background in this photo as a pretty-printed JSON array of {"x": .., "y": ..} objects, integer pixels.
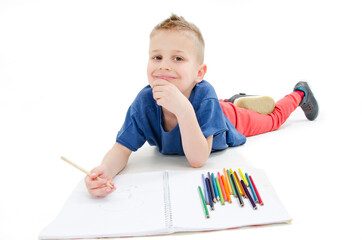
[{"x": 70, "y": 69}]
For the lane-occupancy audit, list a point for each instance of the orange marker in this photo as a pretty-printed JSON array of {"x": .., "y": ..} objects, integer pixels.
[
  {"x": 226, "y": 189},
  {"x": 228, "y": 182},
  {"x": 222, "y": 186}
]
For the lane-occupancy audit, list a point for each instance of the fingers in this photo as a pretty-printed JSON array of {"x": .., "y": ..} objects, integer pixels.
[
  {"x": 96, "y": 183},
  {"x": 101, "y": 192},
  {"x": 97, "y": 172},
  {"x": 98, "y": 187},
  {"x": 160, "y": 91},
  {"x": 159, "y": 82}
]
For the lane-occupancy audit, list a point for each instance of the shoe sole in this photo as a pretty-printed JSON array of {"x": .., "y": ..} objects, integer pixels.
[{"x": 262, "y": 104}]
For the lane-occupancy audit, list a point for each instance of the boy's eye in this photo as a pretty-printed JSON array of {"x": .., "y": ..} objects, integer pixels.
[
  {"x": 178, "y": 59},
  {"x": 157, "y": 58}
]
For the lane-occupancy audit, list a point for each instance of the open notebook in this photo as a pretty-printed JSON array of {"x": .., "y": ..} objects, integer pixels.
[{"x": 158, "y": 203}]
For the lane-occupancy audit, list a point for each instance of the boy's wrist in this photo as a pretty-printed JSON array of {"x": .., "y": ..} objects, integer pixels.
[{"x": 184, "y": 111}]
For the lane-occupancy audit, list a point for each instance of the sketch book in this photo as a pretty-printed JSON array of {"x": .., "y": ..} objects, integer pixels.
[{"x": 158, "y": 203}]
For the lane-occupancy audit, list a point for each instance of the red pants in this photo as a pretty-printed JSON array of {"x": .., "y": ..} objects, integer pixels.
[{"x": 251, "y": 123}]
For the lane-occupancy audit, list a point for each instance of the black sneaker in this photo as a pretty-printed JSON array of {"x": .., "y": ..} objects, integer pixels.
[
  {"x": 233, "y": 98},
  {"x": 309, "y": 103},
  {"x": 260, "y": 104}
]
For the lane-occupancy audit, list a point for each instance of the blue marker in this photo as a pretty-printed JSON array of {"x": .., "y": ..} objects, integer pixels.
[{"x": 251, "y": 188}]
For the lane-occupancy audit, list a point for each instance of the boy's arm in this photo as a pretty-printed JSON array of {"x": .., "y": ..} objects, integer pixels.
[
  {"x": 113, "y": 162},
  {"x": 196, "y": 147},
  {"x": 116, "y": 159}
]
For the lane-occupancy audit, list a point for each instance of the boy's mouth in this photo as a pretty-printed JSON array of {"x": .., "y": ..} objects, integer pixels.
[{"x": 165, "y": 77}]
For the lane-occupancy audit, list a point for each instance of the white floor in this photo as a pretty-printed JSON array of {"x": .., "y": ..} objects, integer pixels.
[{"x": 70, "y": 69}]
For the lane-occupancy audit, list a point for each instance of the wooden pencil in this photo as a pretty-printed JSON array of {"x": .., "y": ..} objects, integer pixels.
[
  {"x": 82, "y": 169},
  {"x": 252, "y": 188},
  {"x": 232, "y": 184},
  {"x": 207, "y": 181},
  {"x": 203, "y": 203},
  {"x": 213, "y": 195},
  {"x": 205, "y": 190},
  {"x": 237, "y": 191},
  {"x": 226, "y": 189},
  {"x": 241, "y": 189},
  {"x": 248, "y": 194},
  {"x": 256, "y": 191},
  {"x": 219, "y": 190},
  {"x": 243, "y": 177},
  {"x": 215, "y": 187},
  {"x": 222, "y": 187},
  {"x": 227, "y": 181}
]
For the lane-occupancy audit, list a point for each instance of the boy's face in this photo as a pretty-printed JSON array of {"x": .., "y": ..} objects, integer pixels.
[{"x": 174, "y": 56}]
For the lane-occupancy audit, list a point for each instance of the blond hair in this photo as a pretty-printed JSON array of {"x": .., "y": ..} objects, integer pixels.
[{"x": 178, "y": 23}]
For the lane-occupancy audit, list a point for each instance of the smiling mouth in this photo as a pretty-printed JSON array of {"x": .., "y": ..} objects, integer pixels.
[{"x": 165, "y": 77}]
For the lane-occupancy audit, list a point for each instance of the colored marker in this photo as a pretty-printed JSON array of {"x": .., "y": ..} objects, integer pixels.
[
  {"x": 232, "y": 184},
  {"x": 237, "y": 185},
  {"x": 243, "y": 176},
  {"x": 205, "y": 190},
  {"x": 227, "y": 181},
  {"x": 212, "y": 189},
  {"x": 215, "y": 187},
  {"x": 256, "y": 191},
  {"x": 203, "y": 202},
  {"x": 252, "y": 188},
  {"x": 207, "y": 180},
  {"x": 248, "y": 194},
  {"x": 222, "y": 187},
  {"x": 226, "y": 189},
  {"x": 220, "y": 193},
  {"x": 241, "y": 189},
  {"x": 237, "y": 191}
]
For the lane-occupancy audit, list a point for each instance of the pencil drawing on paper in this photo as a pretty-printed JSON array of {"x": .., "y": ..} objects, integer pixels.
[{"x": 127, "y": 196}]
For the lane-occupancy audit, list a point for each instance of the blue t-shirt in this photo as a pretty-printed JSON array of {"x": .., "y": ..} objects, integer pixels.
[{"x": 144, "y": 122}]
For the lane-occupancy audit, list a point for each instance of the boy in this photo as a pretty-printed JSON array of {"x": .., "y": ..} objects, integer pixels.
[{"x": 180, "y": 113}]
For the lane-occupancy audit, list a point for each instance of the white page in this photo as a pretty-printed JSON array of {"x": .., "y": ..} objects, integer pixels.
[
  {"x": 188, "y": 212},
  {"x": 135, "y": 208}
]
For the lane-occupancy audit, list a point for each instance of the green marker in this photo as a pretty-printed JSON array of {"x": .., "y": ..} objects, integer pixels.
[
  {"x": 203, "y": 202},
  {"x": 220, "y": 193},
  {"x": 232, "y": 184}
]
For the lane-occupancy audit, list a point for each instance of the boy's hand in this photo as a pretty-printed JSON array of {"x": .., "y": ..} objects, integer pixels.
[
  {"x": 168, "y": 96},
  {"x": 97, "y": 186}
]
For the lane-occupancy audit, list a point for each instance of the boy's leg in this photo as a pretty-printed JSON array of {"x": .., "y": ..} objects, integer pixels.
[
  {"x": 260, "y": 104},
  {"x": 249, "y": 122}
]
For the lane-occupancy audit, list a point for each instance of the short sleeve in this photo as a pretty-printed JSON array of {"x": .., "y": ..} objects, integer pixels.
[
  {"x": 211, "y": 117},
  {"x": 131, "y": 134}
]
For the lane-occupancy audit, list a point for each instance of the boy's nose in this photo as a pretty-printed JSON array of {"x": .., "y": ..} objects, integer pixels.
[{"x": 164, "y": 65}]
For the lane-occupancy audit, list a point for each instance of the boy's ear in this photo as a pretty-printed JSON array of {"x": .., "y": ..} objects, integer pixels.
[{"x": 201, "y": 73}]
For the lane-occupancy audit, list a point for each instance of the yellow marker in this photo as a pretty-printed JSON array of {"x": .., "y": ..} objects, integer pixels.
[
  {"x": 237, "y": 183},
  {"x": 244, "y": 178}
]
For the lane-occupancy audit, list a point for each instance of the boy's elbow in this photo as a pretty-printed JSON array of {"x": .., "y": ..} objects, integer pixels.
[{"x": 197, "y": 164}]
